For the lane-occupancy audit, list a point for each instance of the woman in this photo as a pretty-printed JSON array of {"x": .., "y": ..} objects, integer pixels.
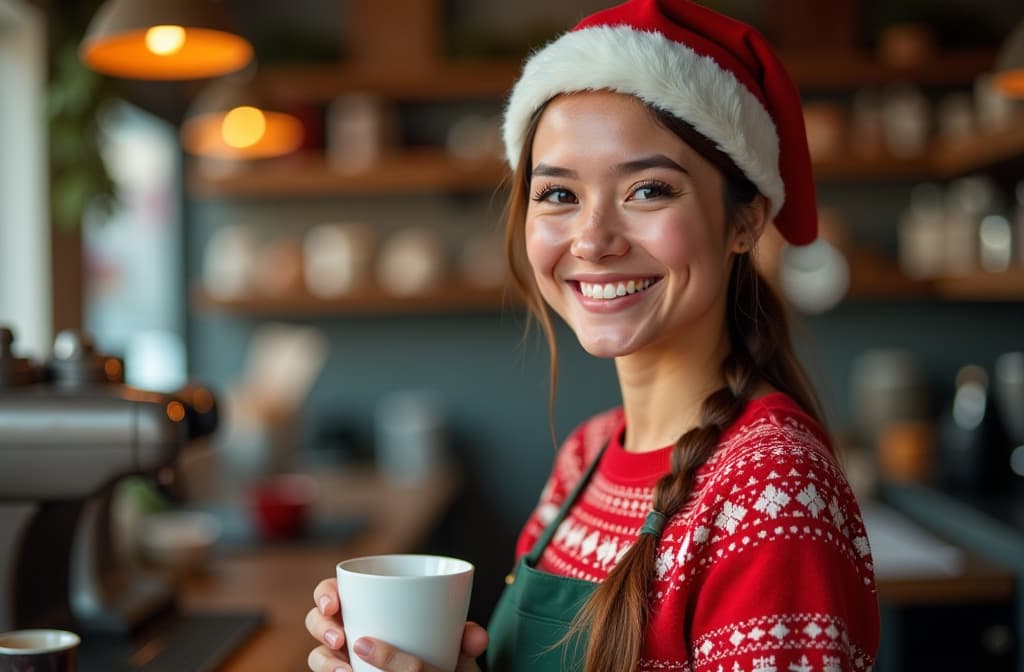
[{"x": 705, "y": 524}]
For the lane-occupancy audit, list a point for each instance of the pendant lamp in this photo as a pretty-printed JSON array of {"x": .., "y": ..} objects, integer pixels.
[
  {"x": 163, "y": 40},
  {"x": 234, "y": 118},
  {"x": 1008, "y": 78}
]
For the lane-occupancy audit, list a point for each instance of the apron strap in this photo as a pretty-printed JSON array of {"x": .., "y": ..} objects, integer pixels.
[{"x": 534, "y": 555}]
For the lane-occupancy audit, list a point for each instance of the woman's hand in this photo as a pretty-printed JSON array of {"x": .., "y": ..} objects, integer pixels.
[{"x": 324, "y": 622}]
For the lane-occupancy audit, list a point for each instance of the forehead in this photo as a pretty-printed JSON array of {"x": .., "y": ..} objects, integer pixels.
[
  {"x": 599, "y": 111},
  {"x": 595, "y": 129}
]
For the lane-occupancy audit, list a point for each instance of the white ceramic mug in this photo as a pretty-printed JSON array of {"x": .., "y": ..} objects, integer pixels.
[
  {"x": 417, "y": 603},
  {"x": 38, "y": 651}
]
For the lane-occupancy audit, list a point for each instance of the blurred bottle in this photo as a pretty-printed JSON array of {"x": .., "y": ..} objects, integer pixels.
[
  {"x": 973, "y": 447},
  {"x": 968, "y": 201},
  {"x": 1018, "y": 224},
  {"x": 922, "y": 238},
  {"x": 1008, "y": 387},
  {"x": 906, "y": 120}
]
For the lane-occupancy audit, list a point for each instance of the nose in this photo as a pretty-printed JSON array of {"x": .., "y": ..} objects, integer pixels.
[{"x": 598, "y": 237}]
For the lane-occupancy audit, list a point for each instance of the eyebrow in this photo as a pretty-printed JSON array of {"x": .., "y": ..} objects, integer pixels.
[{"x": 626, "y": 168}]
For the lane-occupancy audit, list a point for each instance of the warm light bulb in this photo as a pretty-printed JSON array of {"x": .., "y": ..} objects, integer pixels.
[
  {"x": 243, "y": 127},
  {"x": 165, "y": 40}
]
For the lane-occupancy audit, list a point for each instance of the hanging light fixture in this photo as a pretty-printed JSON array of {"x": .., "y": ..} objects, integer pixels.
[
  {"x": 1008, "y": 78},
  {"x": 233, "y": 118},
  {"x": 163, "y": 40}
]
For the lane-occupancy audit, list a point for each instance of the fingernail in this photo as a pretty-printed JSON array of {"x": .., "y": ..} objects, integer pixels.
[
  {"x": 331, "y": 637},
  {"x": 324, "y": 601},
  {"x": 342, "y": 669},
  {"x": 363, "y": 647}
]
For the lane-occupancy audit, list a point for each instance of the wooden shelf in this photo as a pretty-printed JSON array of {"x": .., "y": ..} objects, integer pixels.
[
  {"x": 981, "y": 151},
  {"x": 943, "y": 161},
  {"x": 845, "y": 69},
  {"x": 438, "y": 81},
  {"x": 872, "y": 168},
  {"x": 453, "y": 79},
  {"x": 429, "y": 170},
  {"x": 982, "y": 286},
  {"x": 873, "y": 276},
  {"x": 452, "y": 298}
]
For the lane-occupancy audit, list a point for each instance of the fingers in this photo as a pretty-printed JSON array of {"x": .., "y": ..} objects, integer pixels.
[
  {"x": 474, "y": 640},
  {"x": 322, "y": 659},
  {"x": 325, "y": 596},
  {"x": 322, "y": 621},
  {"x": 326, "y": 630},
  {"x": 324, "y": 624},
  {"x": 386, "y": 657}
]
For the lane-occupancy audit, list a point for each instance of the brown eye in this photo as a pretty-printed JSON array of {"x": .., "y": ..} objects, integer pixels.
[
  {"x": 646, "y": 191},
  {"x": 555, "y": 195}
]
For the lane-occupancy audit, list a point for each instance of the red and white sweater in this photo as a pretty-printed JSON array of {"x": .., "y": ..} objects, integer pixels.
[{"x": 767, "y": 568}]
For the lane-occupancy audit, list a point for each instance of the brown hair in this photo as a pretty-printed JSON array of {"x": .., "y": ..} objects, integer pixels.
[{"x": 761, "y": 350}]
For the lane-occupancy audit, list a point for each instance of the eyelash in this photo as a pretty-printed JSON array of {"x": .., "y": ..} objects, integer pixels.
[
  {"x": 666, "y": 190},
  {"x": 662, "y": 187},
  {"x": 546, "y": 190}
]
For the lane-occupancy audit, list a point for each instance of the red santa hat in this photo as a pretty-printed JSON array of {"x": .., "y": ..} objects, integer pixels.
[{"x": 713, "y": 72}]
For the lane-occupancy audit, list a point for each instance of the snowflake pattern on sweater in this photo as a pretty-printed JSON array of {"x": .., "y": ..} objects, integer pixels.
[{"x": 766, "y": 569}]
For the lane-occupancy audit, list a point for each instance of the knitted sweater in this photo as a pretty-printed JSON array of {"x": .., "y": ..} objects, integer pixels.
[{"x": 766, "y": 569}]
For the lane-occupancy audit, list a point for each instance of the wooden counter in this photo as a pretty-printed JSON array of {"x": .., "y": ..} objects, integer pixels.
[{"x": 279, "y": 580}]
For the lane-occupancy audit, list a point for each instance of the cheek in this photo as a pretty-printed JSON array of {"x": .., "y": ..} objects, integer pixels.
[
  {"x": 687, "y": 237},
  {"x": 545, "y": 244}
]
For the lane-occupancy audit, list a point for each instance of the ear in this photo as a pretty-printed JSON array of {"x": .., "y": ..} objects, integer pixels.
[{"x": 750, "y": 222}]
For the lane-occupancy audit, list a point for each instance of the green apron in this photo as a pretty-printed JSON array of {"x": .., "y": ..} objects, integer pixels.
[{"x": 536, "y": 609}]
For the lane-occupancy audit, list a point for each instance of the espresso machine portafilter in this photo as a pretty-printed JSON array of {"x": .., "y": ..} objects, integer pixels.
[{"x": 70, "y": 429}]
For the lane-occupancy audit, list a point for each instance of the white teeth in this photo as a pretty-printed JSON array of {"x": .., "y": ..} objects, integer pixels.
[{"x": 613, "y": 290}]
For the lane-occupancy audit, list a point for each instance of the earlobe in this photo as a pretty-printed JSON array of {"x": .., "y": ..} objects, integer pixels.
[{"x": 753, "y": 217}]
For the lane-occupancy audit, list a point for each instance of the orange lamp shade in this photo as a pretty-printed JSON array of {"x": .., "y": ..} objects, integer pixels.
[
  {"x": 243, "y": 132},
  {"x": 1008, "y": 77},
  {"x": 1010, "y": 83},
  {"x": 163, "y": 40}
]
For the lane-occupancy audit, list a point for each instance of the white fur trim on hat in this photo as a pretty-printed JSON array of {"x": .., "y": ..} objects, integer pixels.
[{"x": 663, "y": 73}]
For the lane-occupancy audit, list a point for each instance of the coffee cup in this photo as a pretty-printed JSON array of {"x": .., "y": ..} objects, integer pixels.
[
  {"x": 417, "y": 603},
  {"x": 38, "y": 651}
]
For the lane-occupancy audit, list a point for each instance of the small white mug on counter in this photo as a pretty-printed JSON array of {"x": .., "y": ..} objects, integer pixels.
[{"x": 41, "y": 650}]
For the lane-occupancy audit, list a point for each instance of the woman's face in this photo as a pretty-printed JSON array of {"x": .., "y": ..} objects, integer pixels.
[{"x": 625, "y": 228}]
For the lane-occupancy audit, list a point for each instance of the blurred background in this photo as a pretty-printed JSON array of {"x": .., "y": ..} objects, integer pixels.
[{"x": 337, "y": 278}]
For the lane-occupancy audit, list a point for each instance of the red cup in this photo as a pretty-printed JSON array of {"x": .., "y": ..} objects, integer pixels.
[{"x": 280, "y": 505}]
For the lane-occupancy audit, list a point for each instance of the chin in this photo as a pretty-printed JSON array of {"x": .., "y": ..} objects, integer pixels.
[{"x": 605, "y": 349}]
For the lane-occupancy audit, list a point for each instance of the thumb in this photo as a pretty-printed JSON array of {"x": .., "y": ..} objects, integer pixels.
[{"x": 474, "y": 640}]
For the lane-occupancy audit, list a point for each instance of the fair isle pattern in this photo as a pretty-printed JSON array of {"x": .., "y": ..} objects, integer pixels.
[
  {"x": 821, "y": 639},
  {"x": 809, "y": 500},
  {"x": 770, "y": 499}
]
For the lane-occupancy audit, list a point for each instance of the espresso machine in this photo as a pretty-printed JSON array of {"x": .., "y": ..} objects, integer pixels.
[{"x": 70, "y": 430}]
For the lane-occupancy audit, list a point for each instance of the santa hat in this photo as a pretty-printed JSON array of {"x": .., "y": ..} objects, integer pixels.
[{"x": 713, "y": 72}]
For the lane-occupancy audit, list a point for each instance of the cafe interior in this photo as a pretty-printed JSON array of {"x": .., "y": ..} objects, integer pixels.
[{"x": 255, "y": 317}]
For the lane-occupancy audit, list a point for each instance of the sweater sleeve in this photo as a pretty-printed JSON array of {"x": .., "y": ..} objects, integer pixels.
[{"x": 788, "y": 584}]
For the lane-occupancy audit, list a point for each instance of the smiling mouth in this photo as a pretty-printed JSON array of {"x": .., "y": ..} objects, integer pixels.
[{"x": 614, "y": 290}]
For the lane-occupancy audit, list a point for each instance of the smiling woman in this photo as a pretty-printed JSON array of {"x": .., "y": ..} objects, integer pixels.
[
  {"x": 705, "y": 524},
  {"x": 612, "y": 203}
]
